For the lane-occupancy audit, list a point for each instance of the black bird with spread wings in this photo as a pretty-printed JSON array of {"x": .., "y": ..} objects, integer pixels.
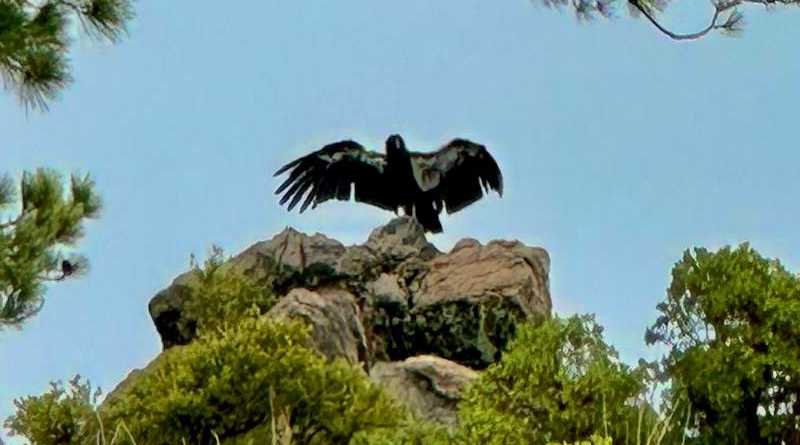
[{"x": 422, "y": 184}]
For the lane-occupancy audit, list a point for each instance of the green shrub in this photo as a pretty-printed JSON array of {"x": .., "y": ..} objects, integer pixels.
[
  {"x": 253, "y": 373},
  {"x": 222, "y": 384},
  {"x": 596, "y": 439},
  {"x": 58, "y": 417},
  {"x": 221, "y": 293},
  {"x": 409, "y": 432},
  {"x": 557, "y": 381}
]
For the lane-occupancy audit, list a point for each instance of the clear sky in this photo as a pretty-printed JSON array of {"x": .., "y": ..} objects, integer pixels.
[{"x": 619, "y": 149}]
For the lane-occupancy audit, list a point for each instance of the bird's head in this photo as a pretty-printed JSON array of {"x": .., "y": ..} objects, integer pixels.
[{"x": 395, "y": 145}]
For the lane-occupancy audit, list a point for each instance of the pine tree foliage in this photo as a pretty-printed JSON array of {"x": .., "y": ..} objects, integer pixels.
[
  {"x": 35, "y": 240},
  {"x": 34, "y": 41},
  {"x": 725, "y": 15}
]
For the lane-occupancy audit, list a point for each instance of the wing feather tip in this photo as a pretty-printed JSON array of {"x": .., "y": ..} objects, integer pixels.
[{"x": 286, "y": 167}]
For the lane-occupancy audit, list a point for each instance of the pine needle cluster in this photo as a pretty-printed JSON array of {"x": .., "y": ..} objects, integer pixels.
[
  {"x": 35, "y": 241},
  {"x": 35, "y": 42}
]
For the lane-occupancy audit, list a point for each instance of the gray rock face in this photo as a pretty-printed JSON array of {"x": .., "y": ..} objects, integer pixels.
[
  {"x": 291, "y": 249},
  {"x": 386, "y": 289},
  {"x": 500, "y": 270},
  {"x": 334, "y": 317},
  {"x": 430, "y": 386},
  {"x": 400, "y": 240}
]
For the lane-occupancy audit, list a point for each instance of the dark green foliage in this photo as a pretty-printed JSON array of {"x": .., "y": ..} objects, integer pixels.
[
  {"x": 32, "y": 242},
  {"x": 57, "y": 417},
  {"x": 34, "y": 42},
  {"x": 468, "y": 333},
  {"x": 730, "y": 321},
  {"x": 558, "y": 381}
]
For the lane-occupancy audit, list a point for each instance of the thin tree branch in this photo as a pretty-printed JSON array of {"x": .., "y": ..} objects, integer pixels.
[{"x": 718, "y": 9}]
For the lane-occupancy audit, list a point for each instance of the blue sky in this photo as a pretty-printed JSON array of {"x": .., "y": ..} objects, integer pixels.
[{"x": 619, "y": 148}]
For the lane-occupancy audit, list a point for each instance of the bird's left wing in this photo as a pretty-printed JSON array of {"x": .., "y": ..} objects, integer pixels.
[
  {"x": 329, "y": 173},
  {"x": 457, "y": 174}
]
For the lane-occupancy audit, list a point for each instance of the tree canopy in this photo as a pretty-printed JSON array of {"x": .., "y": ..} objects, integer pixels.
[
  {"x": 35, "y": 243},
  {"x": 730, "y": 323},
  {"x": 34, "y": 41}
]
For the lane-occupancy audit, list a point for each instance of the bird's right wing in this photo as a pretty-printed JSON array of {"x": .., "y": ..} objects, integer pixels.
[{"x": 331, "y": 172}]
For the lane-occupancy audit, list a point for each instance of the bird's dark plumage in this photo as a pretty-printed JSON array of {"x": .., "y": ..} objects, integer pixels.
[
  {"x": 67, "y": 268},
  {"x": 422, "y": 184}
]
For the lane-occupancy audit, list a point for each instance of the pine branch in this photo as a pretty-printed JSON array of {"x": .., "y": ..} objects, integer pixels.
[
  {"x": 31, "y": 245},
  {"x": 725, "y": 17},
  {"x": 729, "y": 25},
  {"x": 34, "y": 44}
]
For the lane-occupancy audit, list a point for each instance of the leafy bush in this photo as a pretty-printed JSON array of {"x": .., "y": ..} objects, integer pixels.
[
  {"x": 730, "y": 323},
  {"x": 58, "y": 417},
  {"x": 594, "y": 440},
  {"x": 558, "y": 381},
  {"x": 220, "y": 293},
  {"x": 226, "y": 384},
  {"x": 409, "y": 432},
  {"x": 257, "y": 372}
]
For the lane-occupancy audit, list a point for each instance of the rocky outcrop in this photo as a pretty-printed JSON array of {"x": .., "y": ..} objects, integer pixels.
[
  {"x": 418, "y": 320},
  {"x": 411, "y": 298},
  {"x": 430, "y": 386}
]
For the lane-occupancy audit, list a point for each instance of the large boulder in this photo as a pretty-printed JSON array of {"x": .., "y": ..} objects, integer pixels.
[
  {"x": 506, "y": 270},
  {"x": 429, "y": 386},
  {"x": 335, "y": 320}
]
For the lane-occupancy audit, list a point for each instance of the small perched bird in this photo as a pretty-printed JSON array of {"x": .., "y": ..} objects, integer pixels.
[
  {"x": 67, "y": 268},
  {"x": 422, "y": 184}
]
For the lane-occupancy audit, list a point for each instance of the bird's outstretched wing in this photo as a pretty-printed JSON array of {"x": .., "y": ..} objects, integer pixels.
[
  {"x": 457, "y": 174},
  {"x": 331, "y": 172}
]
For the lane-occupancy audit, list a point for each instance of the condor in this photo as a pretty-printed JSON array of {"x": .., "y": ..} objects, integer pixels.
[{"x": 422, "y": 184}]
